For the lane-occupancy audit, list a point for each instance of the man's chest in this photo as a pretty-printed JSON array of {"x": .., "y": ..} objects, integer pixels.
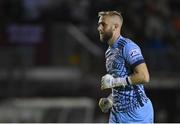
[{"x": 115, "y": 60}]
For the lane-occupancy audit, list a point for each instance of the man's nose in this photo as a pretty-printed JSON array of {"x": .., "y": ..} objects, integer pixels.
[{"x": 99, "y": 28}]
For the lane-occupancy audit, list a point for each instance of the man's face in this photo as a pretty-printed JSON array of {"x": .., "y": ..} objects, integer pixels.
[{"x": 105, "y": 28}]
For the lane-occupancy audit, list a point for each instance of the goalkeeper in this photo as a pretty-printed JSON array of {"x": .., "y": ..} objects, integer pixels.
[{"x": 126, "y": 74}]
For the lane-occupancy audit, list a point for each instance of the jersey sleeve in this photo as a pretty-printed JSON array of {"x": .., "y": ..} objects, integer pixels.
[{"x": 133, "y": 54}]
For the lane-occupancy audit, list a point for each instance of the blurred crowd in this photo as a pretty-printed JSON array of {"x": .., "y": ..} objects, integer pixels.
[{"x": 154, "y": 25}]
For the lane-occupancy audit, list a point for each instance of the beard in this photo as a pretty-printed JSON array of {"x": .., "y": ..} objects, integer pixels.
[{"x": 106, "y": 36}]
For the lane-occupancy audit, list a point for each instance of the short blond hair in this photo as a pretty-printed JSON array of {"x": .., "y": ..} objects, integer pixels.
[{"x": 110, "y": 13}]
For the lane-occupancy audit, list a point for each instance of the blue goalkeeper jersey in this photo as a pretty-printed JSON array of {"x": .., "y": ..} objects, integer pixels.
[{"x": 121, "y": 58}]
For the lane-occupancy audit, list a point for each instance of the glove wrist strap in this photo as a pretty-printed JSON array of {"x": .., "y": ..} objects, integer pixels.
[{"x": 121, "y": 82}]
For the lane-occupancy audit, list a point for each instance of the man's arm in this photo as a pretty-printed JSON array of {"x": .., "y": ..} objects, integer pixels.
[{"x": 140, "y": 74}]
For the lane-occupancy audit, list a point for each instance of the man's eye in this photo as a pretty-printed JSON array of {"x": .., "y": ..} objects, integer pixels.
[{"x": 103, "y": 24}]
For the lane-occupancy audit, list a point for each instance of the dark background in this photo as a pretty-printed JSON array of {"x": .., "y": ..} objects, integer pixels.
[{"x": 51, "y": 59}]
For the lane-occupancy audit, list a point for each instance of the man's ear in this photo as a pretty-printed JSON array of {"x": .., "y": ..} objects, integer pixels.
[{"x": 115, "y": 26}]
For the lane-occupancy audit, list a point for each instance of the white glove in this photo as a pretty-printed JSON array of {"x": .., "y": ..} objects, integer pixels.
[
  {"x": 108, "y": 81},
  {"x": 105, "y": 104}
]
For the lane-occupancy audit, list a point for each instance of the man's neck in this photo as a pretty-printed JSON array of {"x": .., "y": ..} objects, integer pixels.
[{"x": 113, "y": 40}]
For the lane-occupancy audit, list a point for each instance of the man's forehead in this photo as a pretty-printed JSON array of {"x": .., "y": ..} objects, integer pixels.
[
  {"x": 110, "y": 19},
  {"x": 104, "y": 19}
]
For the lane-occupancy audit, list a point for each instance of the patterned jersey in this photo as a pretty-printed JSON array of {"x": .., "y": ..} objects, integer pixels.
[{"x": 121, "y": 58}]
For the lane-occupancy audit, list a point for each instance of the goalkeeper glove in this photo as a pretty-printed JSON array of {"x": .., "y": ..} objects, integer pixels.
[
  {"x": 105, "y": 104},
  {"x": 108, "y": 81}
]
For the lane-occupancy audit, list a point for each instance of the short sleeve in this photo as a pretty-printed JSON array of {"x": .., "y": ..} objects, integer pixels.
[{"x": 133, "y": 54}]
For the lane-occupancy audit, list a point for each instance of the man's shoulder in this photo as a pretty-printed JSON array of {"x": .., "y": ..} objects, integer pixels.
[{"x": 129, "y": 41}]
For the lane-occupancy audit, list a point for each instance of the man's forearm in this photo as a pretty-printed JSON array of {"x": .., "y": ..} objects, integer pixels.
[
  {"x": 140, "y": 74},
  {"x": 138, "y": 79}
]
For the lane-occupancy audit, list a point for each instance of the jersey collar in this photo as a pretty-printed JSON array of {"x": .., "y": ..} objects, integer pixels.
[{"x": 116, "y": 42}]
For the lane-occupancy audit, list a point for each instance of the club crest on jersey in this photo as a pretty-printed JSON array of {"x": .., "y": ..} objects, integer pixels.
[{"x": 134, "y": 52}]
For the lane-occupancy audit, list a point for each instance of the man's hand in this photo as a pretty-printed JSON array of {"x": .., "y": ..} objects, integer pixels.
[
  {"x": 107, "y": 82},
  {"x": 105, "y": 104}
]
